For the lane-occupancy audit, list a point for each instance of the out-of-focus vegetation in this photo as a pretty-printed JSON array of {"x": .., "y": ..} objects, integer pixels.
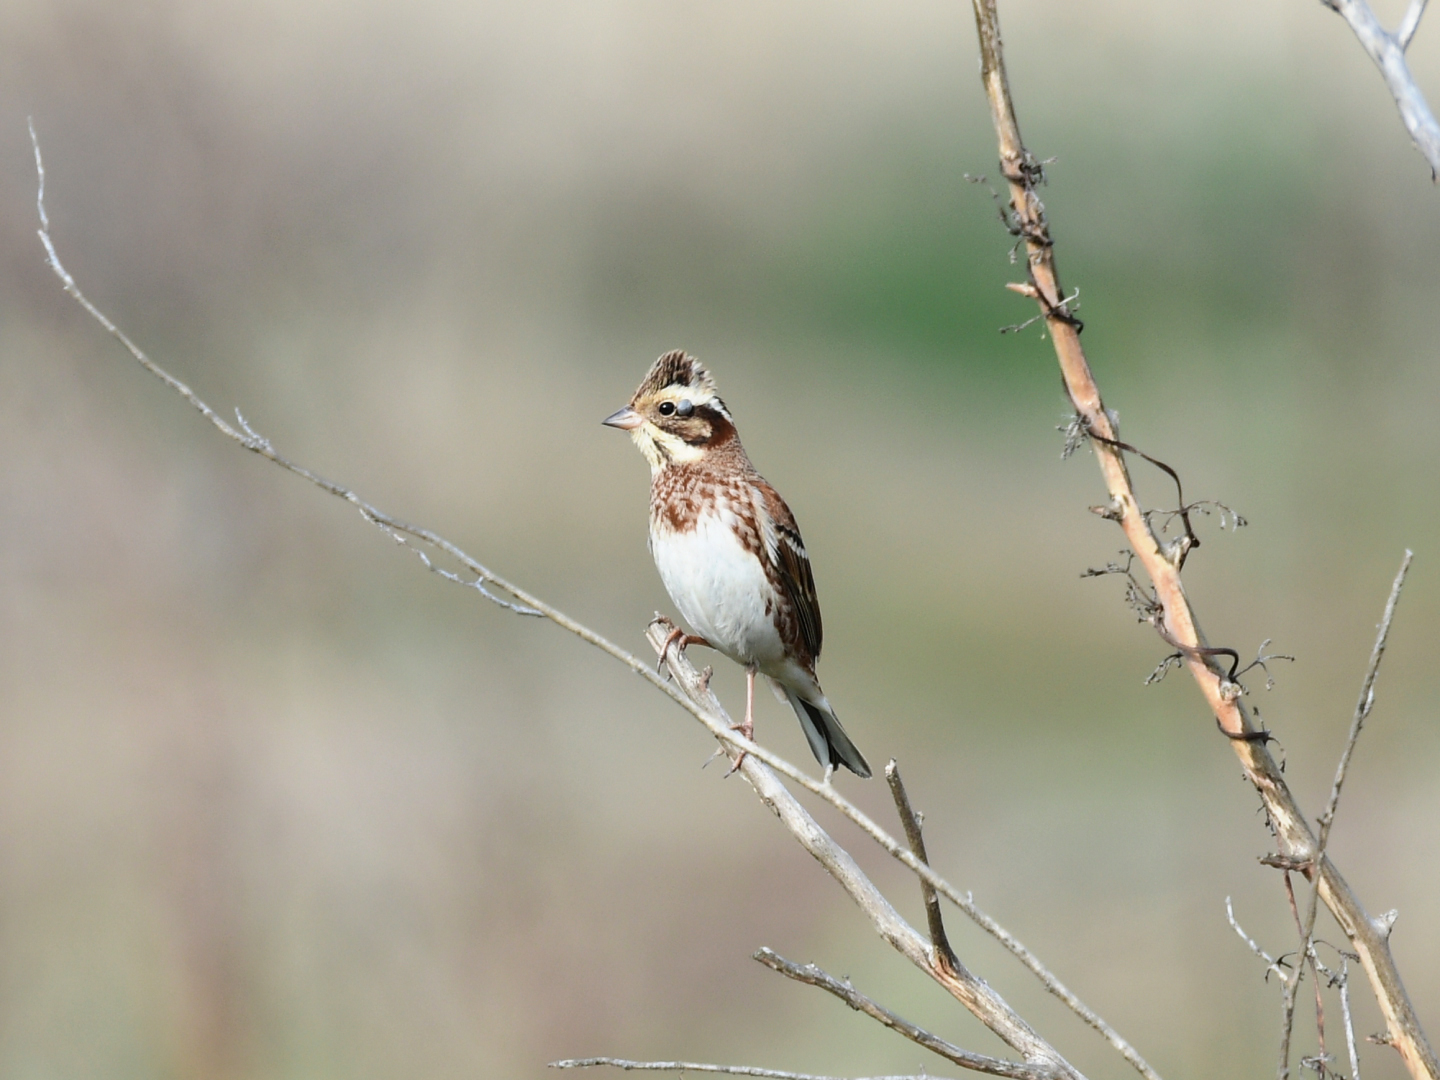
[{"x": 276, "y": 803}]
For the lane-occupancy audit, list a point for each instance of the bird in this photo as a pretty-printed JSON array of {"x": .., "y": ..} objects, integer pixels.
[{"x": 728, "y": 549}]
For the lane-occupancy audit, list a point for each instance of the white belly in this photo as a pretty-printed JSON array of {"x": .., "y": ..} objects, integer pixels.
[{"x": 720, "y": 589}]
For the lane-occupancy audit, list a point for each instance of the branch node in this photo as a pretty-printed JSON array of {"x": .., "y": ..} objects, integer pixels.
[
  {"x": 1288, "y": 863},
  {"x": 1385, "y": 923}
]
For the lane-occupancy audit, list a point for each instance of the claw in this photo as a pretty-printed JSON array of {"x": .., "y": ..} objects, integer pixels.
[
  {"x": 684, "y": 639},
  {"x": 746, "y": 727}
]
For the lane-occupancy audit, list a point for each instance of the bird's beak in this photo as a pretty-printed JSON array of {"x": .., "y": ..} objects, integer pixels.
[{"x": 627, "y": 419}]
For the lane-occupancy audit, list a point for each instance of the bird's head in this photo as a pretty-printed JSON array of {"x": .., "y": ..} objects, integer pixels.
[{"x": 676, "y": 416}]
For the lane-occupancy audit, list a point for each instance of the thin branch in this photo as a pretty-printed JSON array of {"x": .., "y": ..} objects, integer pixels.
[
  {"x": 939, "y": 940},
  {"x": 1289, "y": 981},
  {"x": 695, "y": 1066},
  {"x": 966, "y": 1059},
  {"x": 1349, "y": 1022},
  {"x": 1367, "y": 698},
  {"x": 1271, "y": 964},
  {"x": 1287, "y": 1026},
  {"x": 1405, "y": 32},
  {"x": 1292, "y": 832},
  {"x": 1362, "y": 712},
  {"x": 1388, "y": 52}
]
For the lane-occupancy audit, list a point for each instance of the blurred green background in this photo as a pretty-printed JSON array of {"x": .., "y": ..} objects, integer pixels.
[{"x": 276, "y": 803}]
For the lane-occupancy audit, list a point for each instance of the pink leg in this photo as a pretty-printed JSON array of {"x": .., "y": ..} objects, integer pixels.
[{"x": 747, "y": 726}]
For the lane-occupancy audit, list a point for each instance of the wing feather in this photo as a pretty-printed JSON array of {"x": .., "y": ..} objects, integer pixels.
[{"x": 796, "y": 577}]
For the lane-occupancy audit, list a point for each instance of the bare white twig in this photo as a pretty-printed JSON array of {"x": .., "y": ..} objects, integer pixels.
[
  {"x": 1345, "y": 1012},
  {"x": 812, "y": 975},
  {"x": 1388, "y": 52},
  {"x": 1405, "y": 32},
  {"x": 1271, "y": 964},
  {"x": 695, "y": 1066}
]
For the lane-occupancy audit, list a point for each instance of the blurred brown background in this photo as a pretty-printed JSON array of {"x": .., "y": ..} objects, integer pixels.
[{"x": 276, "y": 803}]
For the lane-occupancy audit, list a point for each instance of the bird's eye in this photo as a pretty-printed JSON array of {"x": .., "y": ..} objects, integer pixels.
[
  {"x": 684, "y": 408},
  {"x": 666, "y": 408}
]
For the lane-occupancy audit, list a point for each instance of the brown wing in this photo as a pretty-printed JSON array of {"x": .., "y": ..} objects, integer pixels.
[{"x": 794, "y": 564}]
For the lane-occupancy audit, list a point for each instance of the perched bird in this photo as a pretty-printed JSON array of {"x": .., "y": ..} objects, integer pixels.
[{"x": 728, "y": 550}]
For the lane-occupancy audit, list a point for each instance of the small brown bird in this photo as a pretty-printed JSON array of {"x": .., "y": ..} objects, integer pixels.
[{"x": 728, "y": 549}]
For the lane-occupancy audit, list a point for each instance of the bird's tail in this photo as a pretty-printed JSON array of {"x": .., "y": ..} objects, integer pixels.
[{"x": 827, "y": 738}]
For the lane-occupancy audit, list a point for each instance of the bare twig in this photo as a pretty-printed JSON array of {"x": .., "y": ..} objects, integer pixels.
[
  {"x": 1289, "y": 982},
  {"x": 1177, "y": 620},
  {"x": 695, "y": 1066},
  {"x": 814, "y": 976},
  {"x": 1388, "y": 52},
  {"x": 1271, "y": 964},
  {"x": 1405, "y": 32},
  {"x": 1327, "y": 817},
  {"x": 1363, "y": 706},
  {"x": 1287, "y": 1023},
  {"x": 1349, "y": 1021},
  {"x": 939, "y": 940}
]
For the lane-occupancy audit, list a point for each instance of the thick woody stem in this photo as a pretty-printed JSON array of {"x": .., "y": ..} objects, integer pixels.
[{"x": 1160, "y": 560}]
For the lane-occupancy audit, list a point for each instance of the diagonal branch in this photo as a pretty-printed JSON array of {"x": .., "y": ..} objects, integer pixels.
[
  {"x": 1388, "y": 52},
  {"x": 1292, "y": 832},
  {"x": 1362, "y": 712},
  {"x": 939, "y": 940},
  {"x": 966, "y": 1059},
  {"x": 1365, "y": 704}
]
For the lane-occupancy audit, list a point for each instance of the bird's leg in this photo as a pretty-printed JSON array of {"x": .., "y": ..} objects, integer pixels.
[
  {"x": 682, "y": 639},
  {"x": 746, "y": 727}
]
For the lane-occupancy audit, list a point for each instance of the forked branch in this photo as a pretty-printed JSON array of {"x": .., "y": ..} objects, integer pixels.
[
  {"x": 1176, "y": 619},
  {"x": 1388, "y": 52},
  {"x": 811, "y": 975}
]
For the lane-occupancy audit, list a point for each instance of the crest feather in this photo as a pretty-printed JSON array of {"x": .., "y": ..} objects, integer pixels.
[{"x": 678, "y": 368}]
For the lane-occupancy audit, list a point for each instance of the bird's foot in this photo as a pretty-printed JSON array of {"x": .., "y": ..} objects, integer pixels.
[
  {"x": 746, "y": 727},
  {"x": 679, "y": 639}
]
